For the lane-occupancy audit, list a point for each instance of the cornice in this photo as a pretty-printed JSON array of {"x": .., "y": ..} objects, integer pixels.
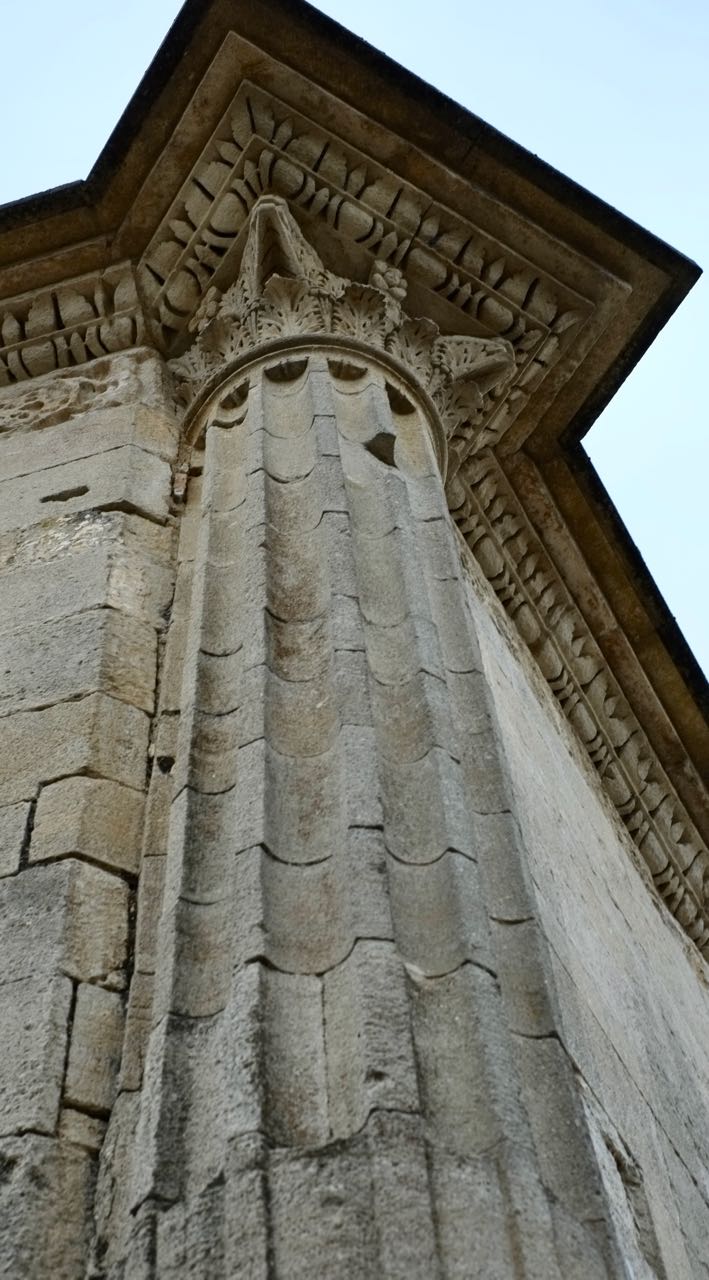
[
  {"x": 267, "y": 98},
  {"x": 544, "y": 611}
]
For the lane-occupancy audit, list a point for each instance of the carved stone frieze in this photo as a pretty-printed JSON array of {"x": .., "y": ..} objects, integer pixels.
[
  {"x": 70, "y": 324},
  {"x": 283, "y": 291},
  {"x": 262, "y": 147},
  {"x": 513, "y": 560}
]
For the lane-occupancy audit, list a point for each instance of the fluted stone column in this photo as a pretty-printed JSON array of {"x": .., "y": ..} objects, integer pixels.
[{"x": 348, "y": 982}]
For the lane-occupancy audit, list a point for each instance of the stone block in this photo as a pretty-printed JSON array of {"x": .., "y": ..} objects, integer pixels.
[
  {"x": 321, "y": 1209},
  {"x": 563, "y": 1145},
  {"x": 35, "y": 595},
  {"x": 298, "y": 650},
  {"x": 34, "y": 1016},
  {"x": 216, "y": 1064},
  {"x": 296, "y": 1111},
  {"x": 191, "y": 522},
  {"x": 137, "y": 1031},
  {"x": 134, "y": 377},
  {"x": 402, "y": 1204},
  {"x": 370, "y": 1055},
  {"x": 340, "y": 551},
  {"x": 302, "y": 821},
  {"x": 346, "y": 622},
  {"x": 311, "y": 799},
  {"x": 366, "y": 1202},
  {"x": 286, "y": 460},
  {"x": 465, "y": 1066},
  {"x": 45, "y": 1196},
  {"x": 360, "y": 785},
  {"x": 459, "y": 646},
  {"x": 352, "y": 688},
  {"x": 85, "y": 531},
  {"x": 300, "y": 717},
  {"x": 150, "y": 897},
  {"x": 113, "y": 1187},
  {"x": 298, "y": 578},
  {"x": 475, "y": 1228},
  {"x": 92, "y": 818},
  {"x": 173, "y": 671},
  {"x": 518, "y": 950},
  {"x": 106, "y": 576},
  {"x": 585, "y": 1253},
  {"x": 412, "y": 717},
  {"x": 100, "y": 651},
  {"x": 397, "y": 653},
  {"x": 484, "y": 771},
  {"x": 13, "y": 825},
  {"x": 127, "y": 477},
  {"x": 389, "y": 592},
  {"x": 194, "y": 963},
  {"x": 439, "y": 914},
  {"x": 68, "y": 918},
  {"x": 94, "y": 432},
  {"x": 437, "y": 542},
  {"x": 307, "y": 918},
  {"x": 98, "y": 733},
  {"x": 157, "y": 810},
  {"x": 426, "y": 808},
  {"x": 500, "y": 858},
  {"x": 95, "y": 1049},
  {"x": 81, "y": 1130}
]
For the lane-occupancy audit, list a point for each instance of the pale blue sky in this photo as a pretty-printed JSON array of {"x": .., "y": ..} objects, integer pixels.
[{"x": 615, "y": 94}]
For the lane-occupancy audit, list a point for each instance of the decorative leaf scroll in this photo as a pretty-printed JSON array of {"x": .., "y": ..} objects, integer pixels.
[{"x": 284, "y": 291}]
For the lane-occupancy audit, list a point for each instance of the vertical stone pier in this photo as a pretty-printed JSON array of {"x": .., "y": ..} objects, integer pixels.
[{"x": 340, "y": 1004}]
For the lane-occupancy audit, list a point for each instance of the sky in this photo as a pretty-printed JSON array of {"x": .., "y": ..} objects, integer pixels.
[{"x": 614, "y": 94}]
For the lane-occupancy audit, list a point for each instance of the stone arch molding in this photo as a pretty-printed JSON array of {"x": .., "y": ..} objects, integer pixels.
[{"x": 284, "y": 296}]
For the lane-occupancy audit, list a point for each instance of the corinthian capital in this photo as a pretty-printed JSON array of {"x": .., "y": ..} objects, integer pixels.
[{"x": 284, "y": 294}]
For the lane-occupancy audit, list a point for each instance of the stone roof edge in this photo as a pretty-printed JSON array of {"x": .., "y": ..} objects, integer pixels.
[{"x": 450, "y": 116}]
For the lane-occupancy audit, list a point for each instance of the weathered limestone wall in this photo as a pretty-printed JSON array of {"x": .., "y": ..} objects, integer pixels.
[
  {"x": 633, "y": 992},
  {"x": 86, "y": 586}
]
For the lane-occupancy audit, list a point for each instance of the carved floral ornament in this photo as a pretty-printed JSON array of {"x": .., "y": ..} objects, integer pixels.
[
  {"x": 284, "y": 295},
  {"x": 261, "y": 147}
]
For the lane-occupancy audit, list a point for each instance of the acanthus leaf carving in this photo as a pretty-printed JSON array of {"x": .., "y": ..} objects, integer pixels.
[
  {"x": 262, "y": 147},
  {"x": 284, "y": 291}
]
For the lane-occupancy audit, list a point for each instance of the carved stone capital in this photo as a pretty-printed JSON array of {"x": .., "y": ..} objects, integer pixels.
[{"x": 284, "y": 293}]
